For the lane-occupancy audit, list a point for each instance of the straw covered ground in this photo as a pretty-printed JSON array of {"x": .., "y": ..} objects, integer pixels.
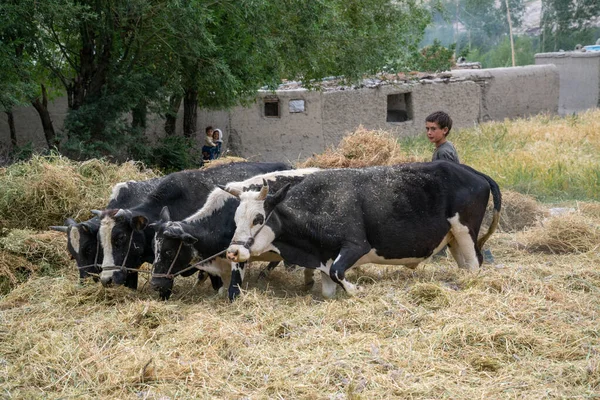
[{"x": 524, "y": 326}]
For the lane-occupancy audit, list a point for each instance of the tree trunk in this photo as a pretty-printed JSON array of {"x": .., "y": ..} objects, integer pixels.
[
  {"x": 510, "y": 32},
  {"x": 13, "y": 130},
  {"x": 190, "y": 112},
  {"x": 42, "y": 108},
  {"x": 171, "y": 116},
  {"x": 139, "y": 116}
]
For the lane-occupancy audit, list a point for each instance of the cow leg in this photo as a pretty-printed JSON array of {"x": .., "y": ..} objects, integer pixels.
[
  {"x": 457, "y": 254},
  {"x": 464, "y": 243},
  {"x": 131, "y": 281},
  {"x": 328, "y": 286},
  {"x": 201, "y": 276},
  {"x": 346, "y": 259},
  {"x": 309, "y": 280},
  {"x": 237, "y": 277},
  {"x": 263, "y": 274},
  {"x": 216, "y": 281}
]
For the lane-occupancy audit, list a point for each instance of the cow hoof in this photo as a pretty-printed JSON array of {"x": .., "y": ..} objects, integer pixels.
[{"x": 233, "y": 293}]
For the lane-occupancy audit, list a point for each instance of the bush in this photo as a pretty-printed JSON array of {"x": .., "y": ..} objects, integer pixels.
[{"x": 172, "y": 153}]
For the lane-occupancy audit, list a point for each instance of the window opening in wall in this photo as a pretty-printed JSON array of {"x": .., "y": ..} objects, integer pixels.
[
  {"x": 399, "y": 107},
  {"x": 297, "y": 106},
  {"x": 272, "y": 108}
]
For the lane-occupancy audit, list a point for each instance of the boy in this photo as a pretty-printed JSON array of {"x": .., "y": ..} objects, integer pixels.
[
  {"x": 209, "y": 145},
  {"x": 438, "y": 125}
]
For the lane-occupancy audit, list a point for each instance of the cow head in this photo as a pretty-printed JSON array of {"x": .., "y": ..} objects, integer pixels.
[
  {"x": 173, "y": 252},
  {"x": 123, "y": 243},
  {"x": 82, "y": 244},
  {"x": 253, "y": 236}
]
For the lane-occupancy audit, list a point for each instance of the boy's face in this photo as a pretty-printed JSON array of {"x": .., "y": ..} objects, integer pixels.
[{"x": 435, "y": 134}]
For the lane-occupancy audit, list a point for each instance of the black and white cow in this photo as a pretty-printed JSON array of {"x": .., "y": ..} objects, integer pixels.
[
  {"x": 401, "y": 214},
  {"x": 82, "y": 238},
  {"x": 209, "y": 232},
  {"x": 124, "y": 233}
]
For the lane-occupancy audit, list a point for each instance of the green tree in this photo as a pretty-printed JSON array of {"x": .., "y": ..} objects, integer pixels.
[
  {"x": 116, "y": 57},
  {"x": 566, "y": 23}
]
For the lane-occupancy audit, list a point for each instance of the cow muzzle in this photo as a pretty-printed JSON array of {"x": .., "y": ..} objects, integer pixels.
[
  {"x": 237, "y": 253},
  {"x": 106, "y": 278},
  {"x": 163, "y": 286},
  {"x": 115, "y": 276}
]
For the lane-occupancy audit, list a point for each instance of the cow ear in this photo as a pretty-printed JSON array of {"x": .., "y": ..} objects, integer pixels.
[
  {"x": 139, "y": 222},
  {"x": 165, "y": 215},
  {"x": 231, "y": 191},
  {"x": 278, "y": 197},
  {"x": 188, "y": 239},
  {"x": 70, "y": 221}
]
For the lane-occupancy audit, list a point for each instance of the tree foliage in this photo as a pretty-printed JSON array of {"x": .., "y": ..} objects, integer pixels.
[
  {"x": 566, "y": 23},
  {"x": 116, "y": 57}
]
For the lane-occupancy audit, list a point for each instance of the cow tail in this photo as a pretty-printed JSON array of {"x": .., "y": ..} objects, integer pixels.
[{"x": 497, "y": 197}]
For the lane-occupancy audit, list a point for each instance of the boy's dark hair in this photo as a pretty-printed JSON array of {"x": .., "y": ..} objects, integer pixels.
[
  {"x": 208, "y": 128},
  {"x": 442, "y": 119}
]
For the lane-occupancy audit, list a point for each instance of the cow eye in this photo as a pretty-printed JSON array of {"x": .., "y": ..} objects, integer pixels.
[{"x": 258, "y": 220}]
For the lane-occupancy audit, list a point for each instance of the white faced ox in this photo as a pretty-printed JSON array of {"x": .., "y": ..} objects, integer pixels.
[
  {"x": 82, "y": 238},
  {"x": 399, "y": 215},
  {"x": 125, "y": 235},
  {"x": 207, "y": 233}
]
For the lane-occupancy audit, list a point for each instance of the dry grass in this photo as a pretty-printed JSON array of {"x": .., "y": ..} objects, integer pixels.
[
  {"x": 362, "y": 148},
  {"x": 45, "y": 190},
  {"x": 223, "y": 160},
  {"x": 565, "y": 233},
  {"x": 518, "y": 212},
  {"x": 524, "y": 329}
]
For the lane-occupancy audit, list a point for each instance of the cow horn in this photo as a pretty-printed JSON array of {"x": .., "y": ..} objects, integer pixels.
[
  {"x": 97, "y": 213},
  {"x": 264, "y": 191},
  {"x": 60, "y": 228},
  {"x": 231, "y": 191}
]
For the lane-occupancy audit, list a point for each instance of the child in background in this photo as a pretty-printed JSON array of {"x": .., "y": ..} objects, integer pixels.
[
  {"x": 218, "y": 140},
  {"x": 438, "y": 126},
  {"x": 209, "y": 144}
]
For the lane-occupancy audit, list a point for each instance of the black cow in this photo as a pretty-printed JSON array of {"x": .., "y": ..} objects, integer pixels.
[
  {"x": 124, "y": 233},
  {"x": 209, "y": 232},
  {"x": 401, "y": 214},
  {"x": 82, "y": 238}
]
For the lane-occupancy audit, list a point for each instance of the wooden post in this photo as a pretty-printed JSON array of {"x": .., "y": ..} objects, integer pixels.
[{"x": 512, "y": 43}]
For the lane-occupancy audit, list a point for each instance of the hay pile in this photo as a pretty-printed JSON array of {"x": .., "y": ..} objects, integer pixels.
[
  {"x": 362, "y": 148},
  {"x": 519, "y": 211},
  {"x": 26, "y": 253},
  {"x": 14, "y": 269},
  {"x": 565, "y": 233},
  {"x": 222, "y": 160},
  {"x": 45, "y": 190}
]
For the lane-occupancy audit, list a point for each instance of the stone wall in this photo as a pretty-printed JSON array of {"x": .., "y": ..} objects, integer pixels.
[
  {"x": 291, "y": 125},
  {"x": 579, "y": 79},
  {"x": 515, "y": 92}
]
